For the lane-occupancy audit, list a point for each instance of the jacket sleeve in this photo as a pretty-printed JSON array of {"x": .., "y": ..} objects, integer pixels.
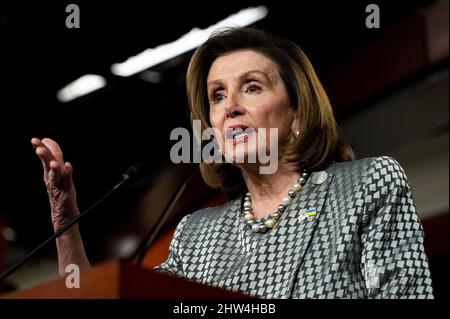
[
  {"x": 173, "y": 263},
  {"x": 393, "y": 260}
]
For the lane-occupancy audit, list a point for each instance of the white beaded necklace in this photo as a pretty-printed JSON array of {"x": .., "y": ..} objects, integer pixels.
[{"x": 263, "y": 225}]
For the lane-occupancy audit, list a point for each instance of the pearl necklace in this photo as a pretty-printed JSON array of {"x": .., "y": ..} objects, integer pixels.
[{"x": 264, "y": 224}]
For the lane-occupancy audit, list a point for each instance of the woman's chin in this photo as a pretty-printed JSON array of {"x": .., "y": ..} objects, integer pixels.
[{"x": 245, "y": 158}]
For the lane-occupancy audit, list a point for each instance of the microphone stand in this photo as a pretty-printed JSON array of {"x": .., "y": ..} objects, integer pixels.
[
  {"x": 149, "y": 239},
  {"x": 130, "y": 173}
]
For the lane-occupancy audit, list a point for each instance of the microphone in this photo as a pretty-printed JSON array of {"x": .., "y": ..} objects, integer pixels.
[
  {"x": 151, "y": 236},
  {"x": 133, "y": 172},
  {"x": 130, "y": 174}
]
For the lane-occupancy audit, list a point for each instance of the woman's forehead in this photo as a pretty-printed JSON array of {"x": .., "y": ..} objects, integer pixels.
[{"x": 236, "y": 64}]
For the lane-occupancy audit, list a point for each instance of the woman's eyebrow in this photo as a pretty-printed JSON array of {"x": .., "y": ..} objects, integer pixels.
[
  {"x": 244, "y": 75},
  {"x": 248, "y": 73},
  {"x": 216, "y": 82}
]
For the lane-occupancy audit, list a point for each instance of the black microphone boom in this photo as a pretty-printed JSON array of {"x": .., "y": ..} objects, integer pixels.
[
  {"x": 149, "y": 239},
  {"x": 131, "y": 173}
]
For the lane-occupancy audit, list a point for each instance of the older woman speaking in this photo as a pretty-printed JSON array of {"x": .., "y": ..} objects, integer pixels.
[{"x": 322, "y": 225}]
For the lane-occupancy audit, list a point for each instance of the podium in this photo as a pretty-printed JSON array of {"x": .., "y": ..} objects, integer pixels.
[{"x": 121, "y": 280}]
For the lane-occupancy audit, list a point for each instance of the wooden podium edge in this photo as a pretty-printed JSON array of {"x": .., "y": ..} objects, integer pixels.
[
  {"x": 119, "y": 279},
  {"x": 145, "y": 283},
  {"x": 89, "y": 287}
]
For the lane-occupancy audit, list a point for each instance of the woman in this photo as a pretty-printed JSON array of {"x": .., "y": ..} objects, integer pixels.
[{"x": 321, "y": 226}]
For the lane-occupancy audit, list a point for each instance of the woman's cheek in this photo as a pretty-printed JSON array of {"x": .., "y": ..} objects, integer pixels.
[{"x": 217, "y": 127}]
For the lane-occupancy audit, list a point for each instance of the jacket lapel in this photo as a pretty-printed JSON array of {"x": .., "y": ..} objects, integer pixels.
[{"x": 295, "y": 229}]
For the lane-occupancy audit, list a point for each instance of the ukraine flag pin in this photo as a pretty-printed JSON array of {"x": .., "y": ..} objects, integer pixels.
[
  {"x": 311, "y": 214},
  {"x": 307, "y": 214}
]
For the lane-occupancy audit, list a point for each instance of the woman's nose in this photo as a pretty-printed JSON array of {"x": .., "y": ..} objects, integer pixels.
[{"x": 233, "y": 107}]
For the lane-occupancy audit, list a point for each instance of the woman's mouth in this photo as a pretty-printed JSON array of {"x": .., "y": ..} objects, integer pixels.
[{"x": 238, "y": 133}]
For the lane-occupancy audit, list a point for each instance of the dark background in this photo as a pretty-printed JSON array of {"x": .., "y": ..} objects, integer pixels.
[{"x": 130, "y": 119}]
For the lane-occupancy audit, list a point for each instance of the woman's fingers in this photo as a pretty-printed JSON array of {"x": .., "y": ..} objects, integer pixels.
[
  {"x": 67, "y": 172},
  {"x": 56, "y": 171},
  {"x": 51, "y": 149},
  {"x": 45, "y": 156},
  {"x": 54, "y": 149},
  {"x": 47, "y": 150},
  {"x": 56, "y": 174},
  {"x": 35, "y": 142}
]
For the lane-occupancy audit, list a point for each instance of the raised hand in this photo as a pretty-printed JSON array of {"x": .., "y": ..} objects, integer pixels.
[{"x": 58, "y": 180}]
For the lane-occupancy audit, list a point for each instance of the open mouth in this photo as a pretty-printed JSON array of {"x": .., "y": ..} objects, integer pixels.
[{"x": 238, "y": 133}]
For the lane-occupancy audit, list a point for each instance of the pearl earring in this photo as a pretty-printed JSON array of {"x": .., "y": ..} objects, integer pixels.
[{"x": 297, "y": 134}]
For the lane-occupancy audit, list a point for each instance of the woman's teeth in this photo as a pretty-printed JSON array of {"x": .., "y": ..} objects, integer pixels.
[{"x": 237, "y": 132}]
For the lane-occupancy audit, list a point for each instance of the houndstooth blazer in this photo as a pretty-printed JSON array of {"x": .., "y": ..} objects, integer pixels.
[{"x": 365, "y": 241}]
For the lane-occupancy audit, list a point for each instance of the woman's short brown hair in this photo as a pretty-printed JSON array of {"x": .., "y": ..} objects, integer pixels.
[{"x": 318, "y": 143}]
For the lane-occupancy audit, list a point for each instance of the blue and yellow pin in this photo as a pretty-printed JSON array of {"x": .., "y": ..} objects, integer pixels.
[{"x": 309, "y": 214}]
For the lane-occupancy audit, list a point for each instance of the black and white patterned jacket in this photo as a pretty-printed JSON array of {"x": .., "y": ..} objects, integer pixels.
[{"x": 366, "y": 240}]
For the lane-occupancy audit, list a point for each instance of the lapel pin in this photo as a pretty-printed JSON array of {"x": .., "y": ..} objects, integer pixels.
[
  {"x": 311, "y": 214},
  {"x": 319, "y": 177},
  {"x": 307, "y": 214}
]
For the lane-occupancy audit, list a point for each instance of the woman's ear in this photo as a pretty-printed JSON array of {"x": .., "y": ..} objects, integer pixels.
[{"x": 295, "y": 128}]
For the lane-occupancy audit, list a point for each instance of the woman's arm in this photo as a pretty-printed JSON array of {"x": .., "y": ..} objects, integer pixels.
[
  {"x": 71, "y": 250},
  {"x": 63, "y": 203},
  {"x": 173, "y": 264},
  {"x": 394, "y": 263}
]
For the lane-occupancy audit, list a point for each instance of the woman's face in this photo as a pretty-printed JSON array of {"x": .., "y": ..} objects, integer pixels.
[{"x": 246, "y": 92}]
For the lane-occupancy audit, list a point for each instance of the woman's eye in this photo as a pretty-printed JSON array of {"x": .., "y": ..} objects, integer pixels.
[
  {"x": 217, "y": 97},
  {"x": 253, "y": 88}
]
